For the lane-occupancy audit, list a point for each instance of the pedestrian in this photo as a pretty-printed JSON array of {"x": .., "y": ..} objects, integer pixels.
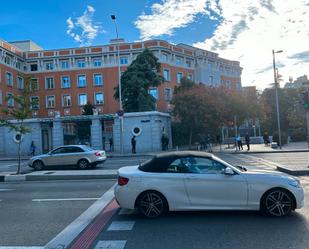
[
  {"x": 166, "y": 142},
  {"x": 163, "y": 141},
  {"x": 111, "y": 142},
  {"x": 266, "y": 139},
  {"x": 239, "y": 143},
  {"x": 208, "y": 143},
  {"x": 133, "y": 144},
  {"x": 247, "y": 139},
  {"x": 32, "y": 149}
]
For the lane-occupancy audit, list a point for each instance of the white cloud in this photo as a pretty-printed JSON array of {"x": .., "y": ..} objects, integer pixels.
[
  {"x": 248, "y": 30},
  {"x": 169, "y": 15},
  {"x": 83, "y": 29}
]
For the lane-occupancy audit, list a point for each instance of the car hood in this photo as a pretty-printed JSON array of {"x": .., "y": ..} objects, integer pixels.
[
  {"x": 39, "y": 156},
  {"x": 267, "y": 173}
]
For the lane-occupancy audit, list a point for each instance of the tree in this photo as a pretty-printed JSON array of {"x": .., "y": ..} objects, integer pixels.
[
  {"x": 142, "y": 74},
  {"x": 14, "y": 117},
  {"x": 88, "y": 109}
]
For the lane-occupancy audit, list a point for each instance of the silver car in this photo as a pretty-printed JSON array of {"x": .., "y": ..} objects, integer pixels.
[{"x": 69, "y": 155}]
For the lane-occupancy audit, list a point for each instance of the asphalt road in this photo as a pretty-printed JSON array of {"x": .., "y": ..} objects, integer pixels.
[
  {"x": 110, "y": 163},
  {"x": 28, "y": 218},
  {"x": 211, "y": 230}
]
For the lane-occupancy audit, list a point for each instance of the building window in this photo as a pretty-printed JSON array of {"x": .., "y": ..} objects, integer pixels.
[
  {"x": 154, "y": 93},
  {"x": 9, "y": 79},
  {"x": 33, "y": 67},
  {"x": 81, "y": 63},
  {"x": 35, "y": 102},
  {"x": 211, "y": 79},
  {"x": 65, "y": 82},
  {"x": 82, "y": 99},
  {"x": 123, "y": 60},
  {"x": 34, "y": 84},
  {"x": 166, "y": 74},
  {"x": 49, "y": 66},
  {"x": 188, "y": 63},
  {"x": 164, "y": 57},
  {"x": 49, "y": 83},
  {"x": 20, "y": 82},
  {"x": 190, "y": 77},
  {"x": 97, "y": 79},
  {"x": 10, "y": 99},
  {"x": 18, "y": 65},
  {"x": 50, "y": 101},
  {"x": 210, "y": 65},
  {"x": 168, "y": 94},
  {"x": 7, "y": 60},
  {"x": 99, "y": 98},
  {"x": 179, "y": 77},
  {"x": 178, "y": 61},
  {"x": 81, "y": 81},
  {"x": 97, "y": 63},
  {"x": 64, "y": 64},
  {"x": 66, "y": 100}
]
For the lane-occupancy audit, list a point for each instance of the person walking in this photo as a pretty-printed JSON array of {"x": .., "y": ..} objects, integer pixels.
[
  {"x": 247, "y": 139},
  {"x": 133, "y": 144},
  {"x": 111, "y": 142},
  {"x": 239, "y": 143},
  {"x": 32, "y": 149}
]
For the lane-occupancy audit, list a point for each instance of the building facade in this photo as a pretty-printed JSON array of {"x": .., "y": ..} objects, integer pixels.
[{"x": 66, "y": 79}]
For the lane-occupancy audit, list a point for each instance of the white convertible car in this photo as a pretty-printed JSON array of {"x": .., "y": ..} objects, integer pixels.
[{"x": 190, "y": 180}]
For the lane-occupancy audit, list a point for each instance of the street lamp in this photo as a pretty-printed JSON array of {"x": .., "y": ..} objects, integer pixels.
[
  {"x": 120, "y": 112},
  {"x": 276, "y": 89}
]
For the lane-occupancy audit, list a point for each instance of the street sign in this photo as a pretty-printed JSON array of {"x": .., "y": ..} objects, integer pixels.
[{"x": 120, "y": 113}]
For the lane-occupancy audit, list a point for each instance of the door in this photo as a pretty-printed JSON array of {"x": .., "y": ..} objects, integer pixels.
[
  {"x": 57, "y": 157},
  {"x": 208, "y": 187}
]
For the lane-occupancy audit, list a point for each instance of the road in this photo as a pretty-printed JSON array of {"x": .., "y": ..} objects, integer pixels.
[
  {"x": 111, "y": 163},
  {"x": 32, "y": 213}
]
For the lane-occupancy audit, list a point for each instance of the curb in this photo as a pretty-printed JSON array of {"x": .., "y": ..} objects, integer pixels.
[
  {"x": 293, "y": 172},
  {"x": 22, "y": 178},
  {"x": 262, "y": 152}
]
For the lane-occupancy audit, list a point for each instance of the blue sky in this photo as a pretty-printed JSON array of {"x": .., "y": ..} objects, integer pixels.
[{"x": 244, "y": 30}]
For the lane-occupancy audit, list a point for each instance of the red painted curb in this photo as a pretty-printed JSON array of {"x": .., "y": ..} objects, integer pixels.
[{"x": 89, "y": 235}]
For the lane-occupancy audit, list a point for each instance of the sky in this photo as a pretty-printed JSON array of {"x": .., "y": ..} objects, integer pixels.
[{"x": 243, "y": 30}]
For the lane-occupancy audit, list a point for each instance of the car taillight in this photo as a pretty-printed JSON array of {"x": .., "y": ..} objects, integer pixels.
[
  {"x": 122, "y": 180},
  {"x": 97, "y": 154}
]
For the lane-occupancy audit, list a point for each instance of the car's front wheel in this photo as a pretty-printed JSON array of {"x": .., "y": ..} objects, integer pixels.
[
  {"x": 83, "y": 164},
  {"x": 151, "y": 204},
  {"x": 38, "y": 165},
  {"x": 277, "y": 202}
]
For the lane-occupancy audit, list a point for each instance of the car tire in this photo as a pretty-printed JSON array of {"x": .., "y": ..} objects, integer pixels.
[
  {"x": 152, "y": 204},
  {"x": 38, "y": 165},
  {"x": 277, "y": 202},
  {"x": 83, "y": 164}
]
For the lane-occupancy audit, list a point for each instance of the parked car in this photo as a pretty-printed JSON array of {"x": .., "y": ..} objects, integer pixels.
[
  {"x": 81, "y": 156},
  {"x": 201, "y": 181}
]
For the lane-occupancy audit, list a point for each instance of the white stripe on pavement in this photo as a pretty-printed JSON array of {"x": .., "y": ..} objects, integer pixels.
[
  {"x": 111, "y": 244},
  {"x": 66, "y": 237},
  {"x": 5, "y": 189},
  {"x": 21, "y": 247},
  {"x": 66, "y": 199}
]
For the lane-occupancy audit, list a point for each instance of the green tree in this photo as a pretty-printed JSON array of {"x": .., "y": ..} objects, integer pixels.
[
  {"x": 14, "y": 118},
  {"x": 88, "y": 109},
  {"x": 142, "y": 74}
]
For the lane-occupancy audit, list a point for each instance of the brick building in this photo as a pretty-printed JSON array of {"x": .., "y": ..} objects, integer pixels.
[{"x": 65, "y": 79}]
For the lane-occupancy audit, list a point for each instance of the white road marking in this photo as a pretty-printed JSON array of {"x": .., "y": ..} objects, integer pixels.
[
  {"x": 66, "y": 199},
  {"x": 111, "y": 244},
  {"x": 5, "y": 189},
  {"x": 121, "y": 226},
  {"x": 66, "y": 237}
]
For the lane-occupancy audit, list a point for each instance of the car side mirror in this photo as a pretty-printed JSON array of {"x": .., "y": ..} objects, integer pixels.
[{"x": 228, "y": 171}]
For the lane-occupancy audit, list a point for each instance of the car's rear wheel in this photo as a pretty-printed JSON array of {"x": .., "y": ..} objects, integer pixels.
[
  {"x": 83, "y": 164},
  {"x": 38, "y": 165},
  {"x": 151, "y": 204},
  {"x": 277, "y": 202}
]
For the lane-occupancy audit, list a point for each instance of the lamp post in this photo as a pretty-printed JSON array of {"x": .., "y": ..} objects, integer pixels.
[
  {"x": 120, "y": 113},
  {"x": 276, "y": 90}
]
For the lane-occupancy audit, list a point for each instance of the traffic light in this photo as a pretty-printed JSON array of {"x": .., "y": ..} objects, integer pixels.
[{"x": 305, "y": 100}]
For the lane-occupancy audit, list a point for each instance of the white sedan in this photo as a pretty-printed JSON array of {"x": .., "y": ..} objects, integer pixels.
[{"x": 190, "y": 180}]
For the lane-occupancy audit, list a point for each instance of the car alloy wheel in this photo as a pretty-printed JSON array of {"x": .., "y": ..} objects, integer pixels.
[
  {"x": 83, "y": 164},
  {"x": 38, "y": 165},
  {"x": 278, "y": 203},
  {"x": 152, "y": 204}
]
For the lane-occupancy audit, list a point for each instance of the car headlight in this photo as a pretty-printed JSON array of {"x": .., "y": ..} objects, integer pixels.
[{"x": 294, "y": 183}]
